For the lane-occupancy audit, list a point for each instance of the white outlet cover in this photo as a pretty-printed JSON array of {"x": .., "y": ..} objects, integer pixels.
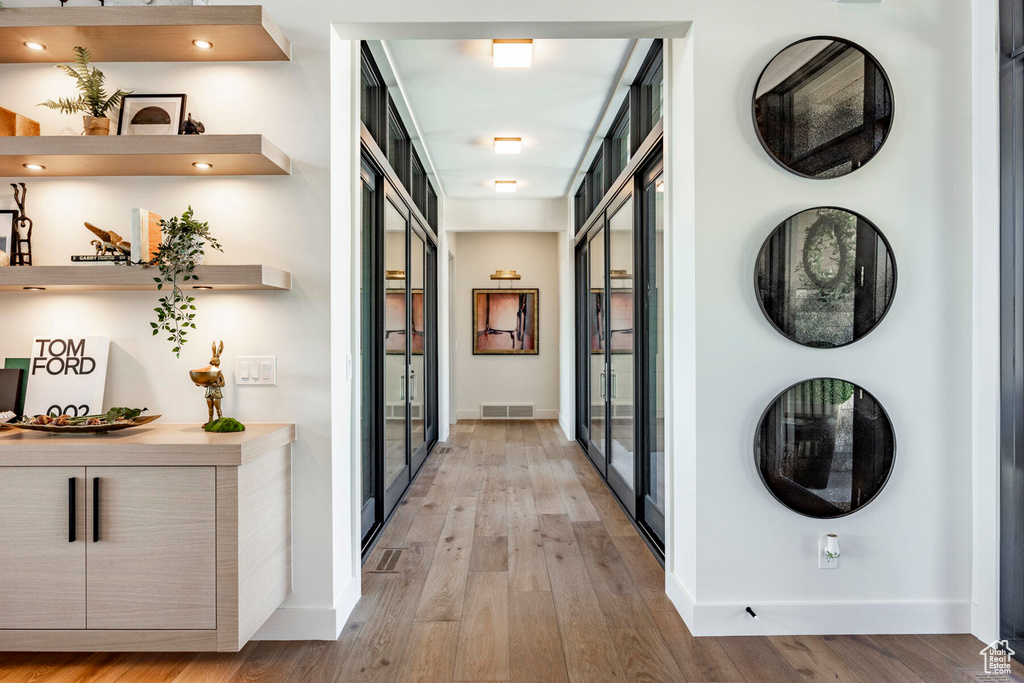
[{"x": 824, "y": 561}]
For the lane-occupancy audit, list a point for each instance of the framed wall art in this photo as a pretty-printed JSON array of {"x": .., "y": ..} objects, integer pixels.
[
  {"x": 151, "y": 115},
  {"x": 7, "y": 217},
  {"x": 506, "y": 321}
]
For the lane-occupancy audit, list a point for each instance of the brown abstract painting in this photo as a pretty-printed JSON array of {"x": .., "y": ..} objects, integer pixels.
[
  {"x": 394, "y": 322},
  {"x": 618, "y": 318},
  {"x": 505, "y": 321}
]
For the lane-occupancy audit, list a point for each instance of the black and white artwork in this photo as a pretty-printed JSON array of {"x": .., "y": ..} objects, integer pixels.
[
  {"x": 7, "y": 236},
  {"x": 825, "y": 448},
  {"x": 825, "y": 277},
  {"x": 823, "y": 107},
  {"x": 151, "y": 115}
]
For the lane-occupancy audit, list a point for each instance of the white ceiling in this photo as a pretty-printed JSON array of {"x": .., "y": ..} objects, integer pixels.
[{"x": 462, "y": 103}]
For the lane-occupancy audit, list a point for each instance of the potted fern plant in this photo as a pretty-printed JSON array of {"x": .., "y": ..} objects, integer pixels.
[{"x": 92, "y": 100}]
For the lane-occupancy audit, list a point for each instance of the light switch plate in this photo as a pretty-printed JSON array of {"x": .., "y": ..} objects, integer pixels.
[{"x": 255, "y": 371}]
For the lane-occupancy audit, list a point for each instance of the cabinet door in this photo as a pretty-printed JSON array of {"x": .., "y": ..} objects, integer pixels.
[
  {"x": 42, "y": 571},
  {"x": 154, "y": 562}
]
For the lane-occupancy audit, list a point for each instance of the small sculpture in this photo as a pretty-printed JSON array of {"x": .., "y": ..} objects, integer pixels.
[
  {"x": 21, "y": 237},
  {"x": 192, "y": 127},
  {"x": 109, "y": 242},
  {"x": 213, "y": 379}
]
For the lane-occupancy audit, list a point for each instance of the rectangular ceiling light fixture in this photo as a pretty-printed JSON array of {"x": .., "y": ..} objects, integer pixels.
[
  {"x": 504, "y": 186},
  {"x": 512, "y": 53},
  {"x": 508, "y": 145}
]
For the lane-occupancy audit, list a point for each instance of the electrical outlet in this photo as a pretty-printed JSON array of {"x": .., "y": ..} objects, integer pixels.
[
  {"x": 254, "y": 371},
  {"x": 824, "y": 561}
]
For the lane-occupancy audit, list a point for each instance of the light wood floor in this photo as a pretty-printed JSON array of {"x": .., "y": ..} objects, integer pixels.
[{"x": 509, "y": 560}]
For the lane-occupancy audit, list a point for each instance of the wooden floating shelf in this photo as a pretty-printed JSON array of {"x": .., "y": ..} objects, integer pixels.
[
  {"x": 121, "y": 278},
  {"x": 141, "y": 155},
  {"x": 239, "y": 33}
]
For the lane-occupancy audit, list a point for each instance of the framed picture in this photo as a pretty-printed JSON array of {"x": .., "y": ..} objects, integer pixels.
[
  {"x": 394, "y": 322},
  {"x": 618, "y": 317},
  {"x": 151, "y": 115},
  {"x": 505, "y": 321},
  {"x": 7, "y": 217}
]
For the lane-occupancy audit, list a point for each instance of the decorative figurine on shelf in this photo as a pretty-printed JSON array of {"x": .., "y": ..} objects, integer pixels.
[
  {"x": 192, "y": 127},
  {"x": 109, "y": 242},
  {"x": 213, "y": 379},
  {"x": 21, "y": 236}
]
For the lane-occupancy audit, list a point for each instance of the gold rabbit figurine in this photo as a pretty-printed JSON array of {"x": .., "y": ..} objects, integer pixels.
[{"x": 213, "y": 379}]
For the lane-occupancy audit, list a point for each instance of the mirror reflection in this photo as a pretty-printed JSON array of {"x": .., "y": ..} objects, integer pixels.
[
  {"x": 825, "y": 448},
  {"x": 825, "y": 277},
  {"x": 823, "y": 107}
]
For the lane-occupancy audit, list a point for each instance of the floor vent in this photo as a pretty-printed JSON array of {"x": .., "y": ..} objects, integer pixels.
[
  {"x": 388, "y": 561},
  {"x": 443, "y": 450},
  {"x": 506, "y": 411}
]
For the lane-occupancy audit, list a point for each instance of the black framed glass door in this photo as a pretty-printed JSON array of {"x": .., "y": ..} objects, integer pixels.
[{"x": 620, "y": 283}]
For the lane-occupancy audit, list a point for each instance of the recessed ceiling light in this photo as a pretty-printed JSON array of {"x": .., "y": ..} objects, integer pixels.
[
  {"x": 34, "y": 289},
  {"x": 34, "y": 167},
  {"x": 508, "y": 145},
  {"x": 512, "y": 53},
  {"x": 34, "y": 46},
  {"x": 203, "y": 166},
  {"x": 203, "y": 44},
  {"x": 504, "y": 186},
  {"x": 202, "y": 287}
]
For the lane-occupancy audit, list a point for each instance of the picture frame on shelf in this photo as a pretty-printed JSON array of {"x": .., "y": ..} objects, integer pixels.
[
  {"x": 152, "y": 114},
  {"x": 7, "y": 218}
]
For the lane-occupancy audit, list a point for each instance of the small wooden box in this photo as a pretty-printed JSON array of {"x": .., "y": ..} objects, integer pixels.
[{"x": 16, "y": 125}]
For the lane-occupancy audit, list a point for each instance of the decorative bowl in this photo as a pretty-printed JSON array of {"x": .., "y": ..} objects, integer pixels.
[
  {"x": 204, "y": 378},
  {"x": 85, "y": 429}
]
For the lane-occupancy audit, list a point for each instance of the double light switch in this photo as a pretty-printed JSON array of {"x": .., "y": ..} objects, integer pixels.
[{"x": 256, "y": 371}]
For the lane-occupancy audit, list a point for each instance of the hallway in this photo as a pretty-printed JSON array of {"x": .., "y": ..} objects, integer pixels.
[{"x": 509, "y": 560}]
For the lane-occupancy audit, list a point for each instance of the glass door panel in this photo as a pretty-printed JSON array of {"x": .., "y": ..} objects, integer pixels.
[
  {"x": 396, "y": 470},
  {"x": 620, "y": 324},
  {"x": 368, "y": 305},
  {"x": 417, "y": 369},
  {"x": 654, "y": 262},
  {"x": 598, "y": 346}
]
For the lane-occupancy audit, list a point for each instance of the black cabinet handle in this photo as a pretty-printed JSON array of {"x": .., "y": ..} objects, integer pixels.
[
  {"x": 95, "y": 509},
  {"x": 72, "y": 508}
]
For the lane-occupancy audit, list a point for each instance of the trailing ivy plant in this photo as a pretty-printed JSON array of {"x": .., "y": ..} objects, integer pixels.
[
  {"x": 93, "y": 99},
  {"x": 183, "y": 244}
]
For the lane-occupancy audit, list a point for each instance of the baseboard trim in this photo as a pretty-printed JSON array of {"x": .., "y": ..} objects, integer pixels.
[
  {"x": 537, "y": 414},
  {"x": 311, "y": 623},
  {"x": 819, "y": 618}
]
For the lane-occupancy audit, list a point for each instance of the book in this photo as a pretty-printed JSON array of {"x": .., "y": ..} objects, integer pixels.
[
  {"x": 67, "y": 376},
  {"x": 100, "y": 258},
  {"x": 146, "y": 235},
  {"x": 10, "y": 390},
  {"x": 23, "y": 365}
]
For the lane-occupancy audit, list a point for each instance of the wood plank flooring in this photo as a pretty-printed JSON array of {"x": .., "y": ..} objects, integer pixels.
[{"x": 509, "y": 560}]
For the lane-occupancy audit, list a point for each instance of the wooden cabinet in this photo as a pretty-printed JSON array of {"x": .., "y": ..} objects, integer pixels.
[
  {"x": 42, "y": 570},
  {"x": 168, "y": 539},
  {"x": 154, "y": 564}
]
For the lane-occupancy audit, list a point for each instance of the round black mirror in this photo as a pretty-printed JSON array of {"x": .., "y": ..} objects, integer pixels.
[
  {"x": 825, "y": 448},
  {"x": 825, "y": 277},
  {"x": 823, "y": 107}
]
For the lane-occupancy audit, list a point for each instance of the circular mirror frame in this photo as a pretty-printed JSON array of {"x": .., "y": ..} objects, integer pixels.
[
  {"x": 757, "y": 448},
  {"x": 888, "y": 305},
  {"x": 867, "y": 55}
]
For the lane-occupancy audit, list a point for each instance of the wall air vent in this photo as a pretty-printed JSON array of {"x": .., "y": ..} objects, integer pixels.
[{"x": 503, "y": 411}]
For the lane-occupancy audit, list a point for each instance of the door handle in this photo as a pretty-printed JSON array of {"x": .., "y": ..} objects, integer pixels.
[
  {"x": 401, "y": 389},
  {"x": 603, "y": 388},
  {"x": 615, "y": 385},
  {"x": 95, "y": 509},
  {"x": 412, "y": 384},
  {"x": 72, "y": 509}
]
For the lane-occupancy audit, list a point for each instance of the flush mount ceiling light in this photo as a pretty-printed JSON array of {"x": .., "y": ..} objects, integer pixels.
[
  {"x": 34, "y": 167},
  {"x": 203, "y": 166},
  {"x": 508, "y": 145},
  {"x": 34, "y": 46},
  {"x": 512, "y": 53},
  {"x": 204, "y": 287},
  {"x": 203, "y": 44},
  {"x": 504, "y": 186},
  {"x": 34, "y": 289}
]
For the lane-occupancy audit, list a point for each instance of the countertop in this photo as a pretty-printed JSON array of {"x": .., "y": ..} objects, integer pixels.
[{"x": 152, "y": 444}]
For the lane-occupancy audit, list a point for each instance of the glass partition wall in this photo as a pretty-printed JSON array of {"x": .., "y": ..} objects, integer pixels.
[
  {"x": 397, "y": 306},
  {"x": 620, "y": 419}
]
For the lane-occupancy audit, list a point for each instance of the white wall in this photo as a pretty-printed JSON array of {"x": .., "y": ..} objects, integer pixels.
[{"x": 507, "y": 379}]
